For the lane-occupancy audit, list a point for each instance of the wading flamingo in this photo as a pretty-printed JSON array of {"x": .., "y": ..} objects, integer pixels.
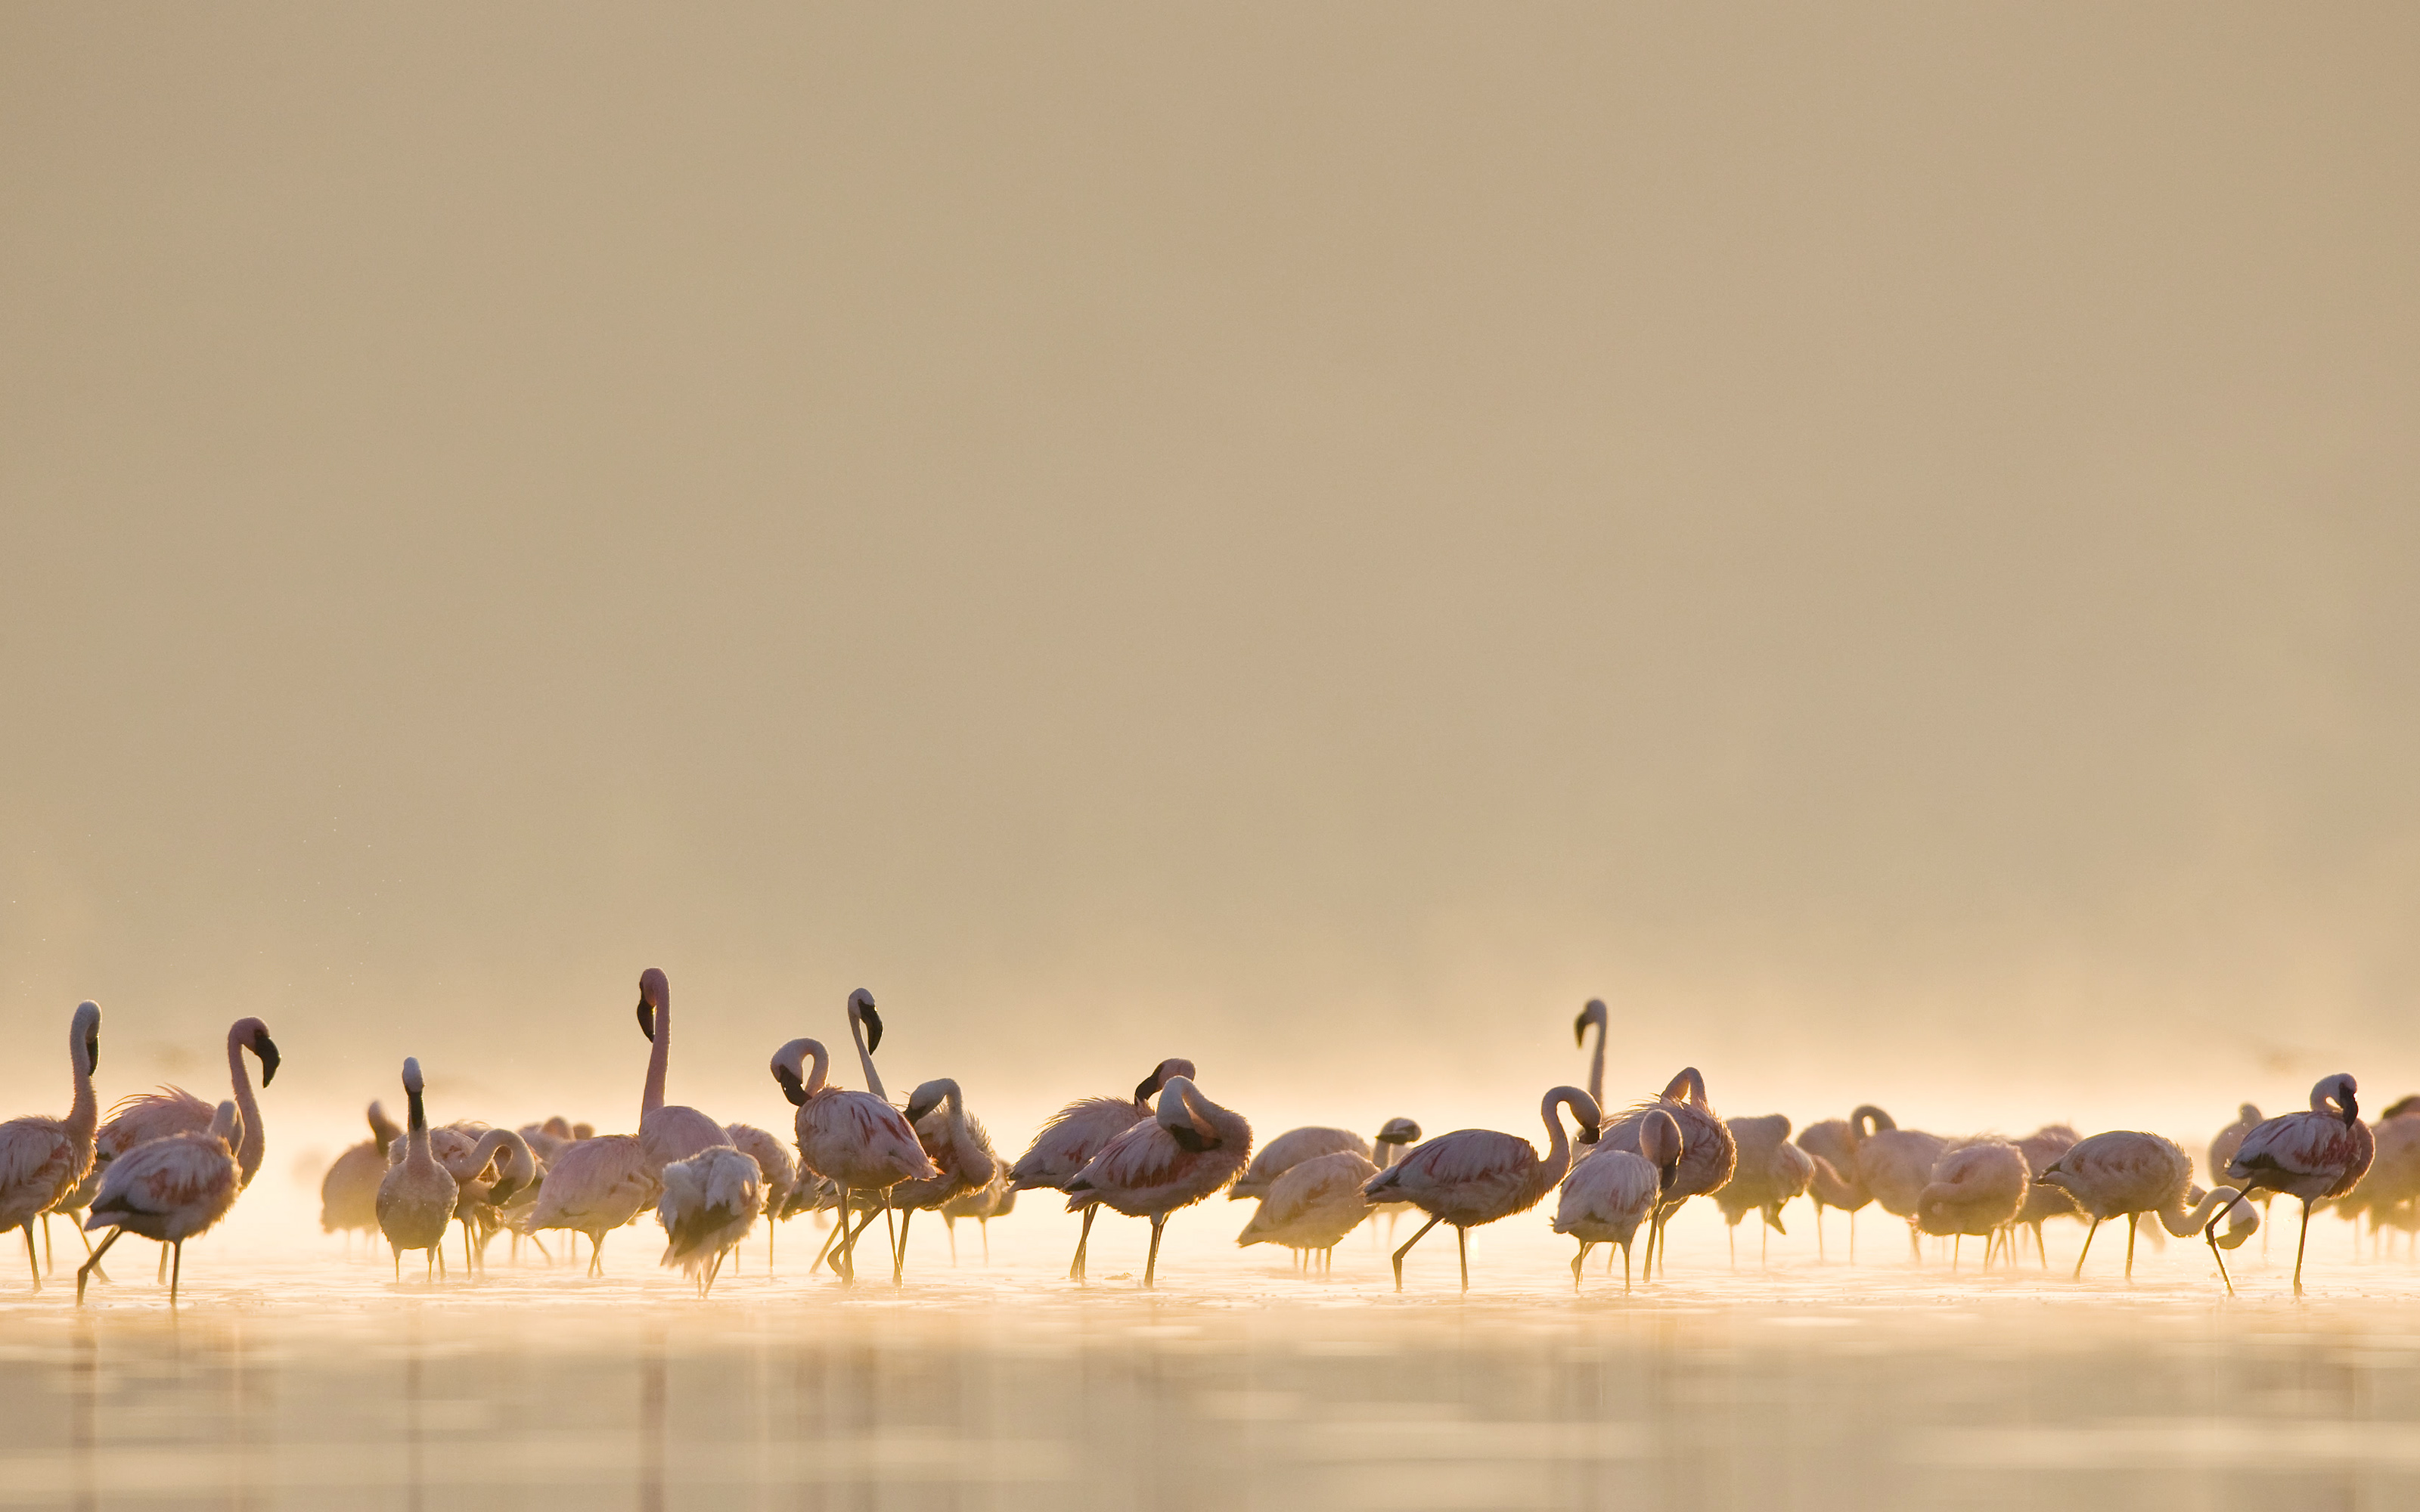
[
  {"x": 348, "y": 1193},
  {"x": 2042, "y": 1202},
  {"x": 416, "y": 1197},
  {"x": 776, "y": 1167},
  {"x": 1312, "y": 1206},
  {"x": 710, "y": 1202},
  {"x": 2222, "y": 1147},
  {"x": 168, "y": 1190},
  {"x": 1290, "y": 1150},
  {"x": 1708, "y": 1153},
  {"x": 666, "y": 1133},
  {"x": 856, "y": 1139},
  {"x": 2126, "y": 1171},
  {"x": 1608, "y": 1194},
  {"x": 2311, "y": 1156},
  {"x": 1190, "y": 1148},
  {"x": 957, "y": 1147},
  {"x": 1396, "y": 1136},
  {"x": 1895, "y": 1164},
  {"x": 42, "y": 1159},
  {"x": 1081, "y": 1131},
  {"x": 1475, "y": 1176},
  {"x": 1976, "y": 1189},
  {"x": 1770, "y": 1174},
  {"x": 1832, "y": 1144}
]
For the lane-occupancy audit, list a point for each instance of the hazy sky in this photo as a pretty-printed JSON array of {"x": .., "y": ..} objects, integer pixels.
[{"x": 1883, "y": 540}]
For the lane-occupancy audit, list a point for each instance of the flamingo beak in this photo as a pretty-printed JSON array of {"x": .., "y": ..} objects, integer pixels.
[
  {"x": 266, "y": 1048},
  {"x": 1590, "y": 1133},
  {"x": 872, "y": 1028},
  {"x": 92, "y": 1055},
  {"x": 647, "y": 1020},
  {"x": 791, "y": 1087}
]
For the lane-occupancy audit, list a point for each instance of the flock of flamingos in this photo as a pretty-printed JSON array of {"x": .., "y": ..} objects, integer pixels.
[{"x": 167, "y": 1165}]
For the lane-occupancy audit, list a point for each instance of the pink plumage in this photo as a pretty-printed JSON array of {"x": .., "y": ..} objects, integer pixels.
[
  {"x": 2313, "y": 1155},
  {"x": 1190, "y": 1149},
  {"x": 1475, "y": 1176}
]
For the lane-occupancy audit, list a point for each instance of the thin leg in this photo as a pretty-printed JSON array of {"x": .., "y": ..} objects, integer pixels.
[
  {"x": 46, "y": 1244},
  {"x": 899, "y": 1261},
  {"x": 1731, "y": 1233},
  {"x": 1075, "y": 1272},
  {"x": 33, "y": 1262},
  {"x": 829, "y": 1238},
  {"x": 2300, "y": 1245},
  {"x": 176, "y": 1272},
  {"x": 1407, "y": 1249},
  {"x": 1853, "y": 1235},
  {"x": 1461, "y": 1249},
  {"x": 2132, "y": 1219},
  {"x": 1625, "y": 1270},
  {"x": 1957, "y": 1250},
  {"x": 398, "y": 1262},
  {"x": 161, "y": 1279},
  {"x": 1764, "y": 1247},
  {"x": 2210, "y": 1234},
  {"x": 1914, "y": 1245},
  {"x": 94, "y": 1264},
  {"x": 1578, "y": 1260},
  {"x": 1818, "y": 1233},
  {"x": 1151, "y": 1264},
  {"x": 984, "y": 1224},
  {"x": 2086, "y": 1249},
  {"x": 891, "y": 1229},
  {"x": 952, "y": 1224}
]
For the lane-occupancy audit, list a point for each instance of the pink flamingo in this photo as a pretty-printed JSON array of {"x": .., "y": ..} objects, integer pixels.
[
  {"x": 856, "y": 1139},
  {"x": 778, "y": 1168},
  {"x": 1189, "y": 1149},
  {"x": 348, "y": 1193},
  {"x": 666, "y": 1133},
  {"x": 1608, "y": 1194},
  {"x": 42, "y": 1159},
  {"x": 416, "y": 1198},
  {"x": 1769, "y": 1174},
  {"x": 1081, "y": 1131},
  {"x": 1475, "y": 1176},
  {"x": 1709, "y": 1154},
  {"x": 2129, "y": 1171},
  {"x": 957, "y": 1147},
  {"x": 1975, "y": 1188},
  {"x": 2312, "y": 1156},
  {"x": 1832, "y": 1144},
  {"x": 1312, "y": 1206},
  {"x": 169, "y": 1190},
  {"x": 1594, "y": 1013}
]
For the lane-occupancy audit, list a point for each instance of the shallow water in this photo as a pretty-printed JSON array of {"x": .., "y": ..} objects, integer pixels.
[{"x": 302, "y": 1380}]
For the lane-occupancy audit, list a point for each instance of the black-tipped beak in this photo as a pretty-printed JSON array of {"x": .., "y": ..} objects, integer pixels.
[
  {"x": 502, "y": 1191},
  {"x": 2351, "y": 1110},
  {"x": 266, "y": 1048},
  {"x": 647, "y": 1021},
  {"x": 1773, "y": 1216},
  {"x": 873, "y": 1027},
  {"x": 916, "y": 1109},
  {"x": 791, "y": 1087},
  {"x": 1144, "y": 1088},
  {"x": 92, "y": 1054},
  {"x": 1190, "y": 1138},
  {"x": 1671, "y": 1174},
  {"x": 1590, "y": 1133}
]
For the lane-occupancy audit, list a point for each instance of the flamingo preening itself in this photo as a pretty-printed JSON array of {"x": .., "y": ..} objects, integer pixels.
[
  {"x": 1709, "y": 1154},
  {"x": 1187, "y": 1151},
  {"x": 2312, "y": 1155},
  {"x": 1608, "y": 1194},
  {"x": 169, "y": 1190},
  {"x": 1081, "y": 1131},
  {"x": 1475, "y": 1176}
]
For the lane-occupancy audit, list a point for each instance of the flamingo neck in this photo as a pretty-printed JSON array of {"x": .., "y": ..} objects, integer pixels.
[
  {"x": 1559, "y": 1144},
  {"x": 419, "y": 1125},
  {"x": 658, "y": 1057},
  {"x": 84, "y": 1115},
  {"x": 1596, "y": 1069},
  {"x": 254, "y": 1142},
  {"x": 865, "y": 1056}
]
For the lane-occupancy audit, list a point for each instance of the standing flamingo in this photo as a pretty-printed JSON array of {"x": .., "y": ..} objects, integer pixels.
[
  {"x": 1313, "y": 1206},
  {"x": 1975, "y": 1188},
  {"x": 1475, "y": 1176},
  {"x": 995, "y": 1199},
  {"x": 957, "y": 1147},
  {"x": 169, "y": 1190},
  {"x": 1769, "y": 1174},
  {"x": 1290, "y": 1150},
  {"x": 1832, "y": 1143},
  {"x": 776, "y": 1166},
  {"x": 2222, "y": 1147},
  {"x": 2312, "y": 1155},
  {"x": 1081, "y": 1131},
  {"x": 2043, "y": 1201},
  {"x": 1594, "y": 1014},
  {"x": 2126, "y": 1171},
  {"x": 43, "y": 1159},
  {"x": 666, "y": 1133},
  {"x": 1189, "y": 1149},
  {"x": 1708, "y": 1152},
  {"x": 856, "y": 1139},
  {"x": 1394, "y": 1137},
  {"x": 348, "y": 1193},
  {"x": 1894, "y": 1163},
  {"x": 1608, "y": 1194},
  {"x": 416, "y": 1197},
  {"x": 710, "y": 1202}
]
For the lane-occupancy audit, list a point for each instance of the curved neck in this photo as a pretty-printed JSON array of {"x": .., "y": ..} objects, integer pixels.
[
  {"x": 821, "y": 1072},
  {"x": 2183, "y": 1225},
  {"x": 653, "y": 1097},
  {"x": 254, "y": 1142},
  {"x": 1559, "y": 1144},
  {"x": 519, "y": 1164},
  {"x": 84, "y": 1115},
  {"x": 865, "y": 1056}
]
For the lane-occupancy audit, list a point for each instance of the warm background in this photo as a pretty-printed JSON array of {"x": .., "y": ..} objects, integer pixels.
[{"x": 1885, "y": 544}]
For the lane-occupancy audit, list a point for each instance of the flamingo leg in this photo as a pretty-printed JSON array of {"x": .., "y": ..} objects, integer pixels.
[
  {"x": 1625, "y": 1270},
  {"x": 33, "y": 1261},
  {"x": 1076, "y": 1271},
  {"x": 161, "y": 1279},
  {"x": 2210, "y": 1234},
  {"x": 1407, "y": 1249},
  {"x": 176, "y": 1272},
  {"x": 891, "y": 1229},
  {"x": 1957, "y": 1248},
  {"x": 984, "y": 1225},
  {"x": 2088, "y": 1246},
  {"x": 2300, "y": 1245},
  {"x": 1853, "y": 1235},
  {"x": 899, "y": 1260},
  {"x": 94, "y": 1264},
  {"x": 1818, "y": 1233},
  {"x": 2132, "y": 1219},
  {"x": 952, "y": 1224},
  {"x": 1731, "y": 1233},
  {"x": 1914, "y": 1245},
  {"x": 46, "y": 1244},
  {"x": 1462, "y": 1250},
  {"x": 1151, "y": 1264},
  {"x": 1578, "y": 1260},
  {"x": 829, "y": 1238},
  {"x": 398, "y": 1262}
]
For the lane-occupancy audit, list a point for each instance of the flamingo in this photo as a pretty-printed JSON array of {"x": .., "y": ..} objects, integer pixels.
[
  {"x": 1594, "y": 1014},
  {"x": 1188, "y": 1150},
  {"x": 2312, "y": 1155},
  {"x": 1475, "y": 1176},
  {"x": 1290, "y": 1150},
  {"x": 1394, "y": 1137},
  {"x": 1081, "y": 1131},
  {"x": 710, "y": 1202},
  {"x": 1832, "y": 1144},
  {"x": 1975, "y": 1188},
  {"x": 469, "y": 1153},
  {"x": 1708, "y": 1152},
  {"x": 2126, "y": 1171},
  {"x": 2222, "y": 1147},
  {"x": 2042, "y": 1202},
  {"x": 348, "y": 1193},
  {"x": 1769, "y": 1173},
  {"x": 776, "y": 1166},
  {"x": 666, "y": 1133},
  {"x": 959, "y": 1147},
  {"x": 857, "y": 1139},
  {"x": 995, "y": 1199},
  {"x": 171, "y": 1189},
  {"x": 1894, "y": 1163},
  {"x": 416, "y": 1197},
  {"x": 1312, "y": 1205},
  {"x": 1608, "y": 1194},
  {"x": 42, "y": 1159},
  {"x": 2394, "y": 1178}
]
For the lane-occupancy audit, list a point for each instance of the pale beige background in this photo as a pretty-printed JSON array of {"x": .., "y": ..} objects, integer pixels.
[{"x": 1882, "y": 539}]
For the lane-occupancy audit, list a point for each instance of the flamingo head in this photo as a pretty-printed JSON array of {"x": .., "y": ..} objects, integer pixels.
[
  {"x": 1192, "y": 1131},
  {"x": 411, "y": 1082},
  {"x": 930, "y": 1096},
  {"x": 1659, "y": 1141},
  {"x": 1399, "y": 1132},
  {"x": 1592, "y": 1013},
  {"x": 653, "y": 990},
  {"x": 790, "y": 1069},
  {"x": 2338, "y": 1089},
  {"x": 2248, "y": 1114},
  {"x": 860, "y": 1011},
  {"x": 253, "y": 1036},
  {"x": 583, "y": 1131},
  {"x": 1160, "y": 1076},
  {"x": 85, "y": 1034}
]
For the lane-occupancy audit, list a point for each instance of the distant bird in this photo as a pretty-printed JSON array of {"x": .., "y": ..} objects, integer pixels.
[
  {"x": 1832, "y": 1143},
  {"x": 416, "y": 1197},
  {"x": 857, "y": 1139},
  {"x": 1291, "y": 1149},
  {"x": 1594, "y": 1013},
  {"x": 1975, "y": 1188},
  {"x": 1394, "y": 1138},
  {"x": 1189, "y": 1149},
  {"x": 2392, "y": 1187},
  {"x": 666, "y": 1133},
  {"x": 1708, "y": 1152},
  {"x": 776, "y": 1167},
  {"x": 710, "y": 1202},
  {"x": 995, "y": 1199},
  {"x": 2312, "y": 1156},
  {"x": 2130, "y": 1172},
  {"x": 169, "y": 1190},
  {"x": 42, "y": 1159},
  {"x": 1770, "y": 1173},
  {"x": 1894, "y": 1163},
  {"x": 1081, "y": 1131},
  {"x": 1312, "y": 1205},
  {"x": 592, "y": 1187},
  {"x": 2224, "y": 1144},
  {"x": 1608, "y": 1194},
  {"x": 472, "y": 1154},
  {"x": 2042, "y": 1202},
  {"x": 348, "y": 1193},
  {"x": 1475, "y": 1176},
  {"x": 957, "y": 1147}
]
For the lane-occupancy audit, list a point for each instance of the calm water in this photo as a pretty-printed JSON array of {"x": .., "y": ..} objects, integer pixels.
[{"x": 310, "y": 1381}]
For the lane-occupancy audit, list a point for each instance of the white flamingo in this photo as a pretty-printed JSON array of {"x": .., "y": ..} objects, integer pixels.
[
  {"x": 957, "y": 1147},
  {"x": 43, "y": 1159},
  {"x": 1607, "y": 1195},
  {"x": 1081, "y": 1131},
  {"x": 856, "y": 1139},
  {"x": 348, "y": 1193},
  {"x": 1312, "y": 1205},
  {"x": 2128, "y": 1171},
  {"x": 710, "y": 1202},
  {"x": 416, "y": 1197},
  {"x": 1189, "y": 1149},
  {"x": 169, "y": 1190},
  {"x": 1475, "y": 1176},
  {"x": 1708, "y": 1152},
  {"x": 1976, "y": 1189},
  {"x": 2312, "y": 1156},
  {"x": 777, "y": 1168}
]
